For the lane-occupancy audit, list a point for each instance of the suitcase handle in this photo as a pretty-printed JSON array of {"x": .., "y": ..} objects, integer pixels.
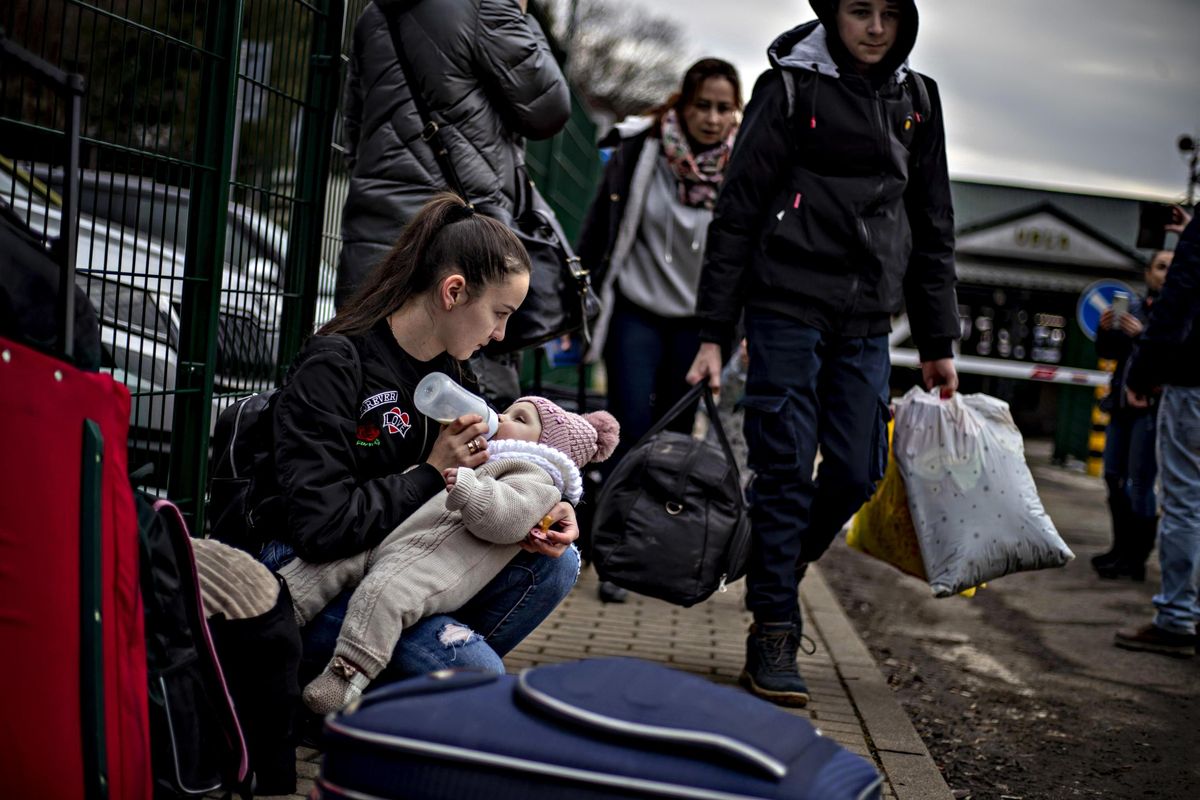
[{"x": 676, "y": 737}]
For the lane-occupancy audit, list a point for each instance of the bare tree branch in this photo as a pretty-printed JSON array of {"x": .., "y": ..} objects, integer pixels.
[{"x": 623, "y": 59}]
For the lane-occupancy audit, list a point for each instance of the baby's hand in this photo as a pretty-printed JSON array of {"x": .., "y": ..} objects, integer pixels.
[{"x": 451, "y": 477}]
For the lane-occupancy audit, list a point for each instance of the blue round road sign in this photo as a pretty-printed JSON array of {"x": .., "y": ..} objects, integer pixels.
[{"x": 1094, "y": 300}]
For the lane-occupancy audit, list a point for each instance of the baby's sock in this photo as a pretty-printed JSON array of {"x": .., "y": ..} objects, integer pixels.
[{"x": 340, "y": 684}]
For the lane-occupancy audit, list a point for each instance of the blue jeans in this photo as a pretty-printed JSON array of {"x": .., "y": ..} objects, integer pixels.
[
  {"x": 506, "y": 611},
  {"x": 1130, "y": 465},
  {"x": 805, "y": 389},
  {"x": 1179, "y": 532},
  {"x": 647, "y": 358}
]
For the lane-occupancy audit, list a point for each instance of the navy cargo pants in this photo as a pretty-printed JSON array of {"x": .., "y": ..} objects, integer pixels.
[{"x": 806, "y": 388}]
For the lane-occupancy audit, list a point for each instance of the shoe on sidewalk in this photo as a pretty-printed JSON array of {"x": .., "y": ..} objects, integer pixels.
[
  {"x": 771, "y": 671},
  {"x": 1154, "y": 639},
  {"x": 609, "y": 592}
]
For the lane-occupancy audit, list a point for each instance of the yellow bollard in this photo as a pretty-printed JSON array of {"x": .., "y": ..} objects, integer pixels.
[{"x": 1095, "y": 462}]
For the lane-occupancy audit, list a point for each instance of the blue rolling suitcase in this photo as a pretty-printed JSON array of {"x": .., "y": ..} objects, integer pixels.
[{"x": 603, "y": 728}]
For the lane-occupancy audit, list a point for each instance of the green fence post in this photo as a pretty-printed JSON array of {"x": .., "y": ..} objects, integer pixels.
[
  {"x": 91, "y": 624},
  {"x": 204, "y": 262},
  {"x": 302, "y": 269}
]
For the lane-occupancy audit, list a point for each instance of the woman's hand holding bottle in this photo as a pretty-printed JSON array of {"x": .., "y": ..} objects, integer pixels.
[{"x": 460, "y": 444}]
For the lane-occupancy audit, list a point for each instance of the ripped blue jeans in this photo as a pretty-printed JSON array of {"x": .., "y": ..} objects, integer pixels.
[{"x": 477, "y": 636}]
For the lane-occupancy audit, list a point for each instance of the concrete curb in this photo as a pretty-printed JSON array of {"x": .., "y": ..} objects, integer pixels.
[{"x": 906, "y": 761}]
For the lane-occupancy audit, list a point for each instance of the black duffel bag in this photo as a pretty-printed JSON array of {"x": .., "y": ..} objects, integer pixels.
[{"x": 671, "y": 521}]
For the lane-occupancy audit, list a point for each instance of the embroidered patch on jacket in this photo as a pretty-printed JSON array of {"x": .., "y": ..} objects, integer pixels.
[
  {"x": 375, "y": 401},
  {"x": 368, "y": 435},
  {"x": 396, "y": 421}
]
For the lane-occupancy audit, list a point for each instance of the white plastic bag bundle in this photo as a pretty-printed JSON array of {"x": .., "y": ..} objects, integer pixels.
[{"x": 973, "y": 501}]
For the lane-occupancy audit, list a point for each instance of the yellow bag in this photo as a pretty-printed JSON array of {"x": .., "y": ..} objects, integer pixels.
[{"x": 883, "y": 527}]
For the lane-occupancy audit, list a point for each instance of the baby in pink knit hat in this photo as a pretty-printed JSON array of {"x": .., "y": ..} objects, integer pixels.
[{"x": 451, "y": 547}]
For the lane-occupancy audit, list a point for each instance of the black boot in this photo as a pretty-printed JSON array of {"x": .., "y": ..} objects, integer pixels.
[
  {"x": 1131, "y": 562},
  {"x": 1122, "y": 514},
  {"x": 1124, "y": 567},
  {"x": 1145, "y": 535},
  {"x": 771, "y": 671}
]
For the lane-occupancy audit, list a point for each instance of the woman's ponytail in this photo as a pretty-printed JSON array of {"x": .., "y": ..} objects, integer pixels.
[{"x": 446, "y": 234}]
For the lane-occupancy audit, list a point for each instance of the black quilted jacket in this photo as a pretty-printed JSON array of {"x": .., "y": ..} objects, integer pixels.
[{"x": 488, "y": 78}]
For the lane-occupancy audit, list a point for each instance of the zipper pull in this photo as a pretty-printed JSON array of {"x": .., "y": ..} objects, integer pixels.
[{"x": 721, "y": 587}]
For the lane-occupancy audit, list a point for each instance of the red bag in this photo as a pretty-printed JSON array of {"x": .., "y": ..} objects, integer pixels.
[{"x": 62, "y": 728}]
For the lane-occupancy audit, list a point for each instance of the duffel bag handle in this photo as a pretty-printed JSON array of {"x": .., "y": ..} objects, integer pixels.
[{"x": 699, "y": 389}]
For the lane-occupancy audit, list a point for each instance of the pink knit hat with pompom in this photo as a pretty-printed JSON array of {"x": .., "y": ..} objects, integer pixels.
[{"x": 590, "y": 437}]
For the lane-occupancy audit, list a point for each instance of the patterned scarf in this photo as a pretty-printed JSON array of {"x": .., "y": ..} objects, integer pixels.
[{"x": 698, "y": 177}]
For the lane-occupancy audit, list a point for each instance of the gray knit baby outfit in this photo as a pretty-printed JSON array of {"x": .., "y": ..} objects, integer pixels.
[{"x": 435, "y": 561}]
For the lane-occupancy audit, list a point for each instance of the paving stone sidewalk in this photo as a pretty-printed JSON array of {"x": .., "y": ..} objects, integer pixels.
[{"x": 851, "y": 701}]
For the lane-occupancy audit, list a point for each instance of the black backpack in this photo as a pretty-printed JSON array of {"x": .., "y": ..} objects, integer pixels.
[
  {"x": 244, "y": 504},
  {"x": 223, "y": 692},
  {"x": 914, "y": 84},
  {"x": 242, "y": 444},
  {"x": 197, "y": 745},
  {"x": 671, "y": 521}
]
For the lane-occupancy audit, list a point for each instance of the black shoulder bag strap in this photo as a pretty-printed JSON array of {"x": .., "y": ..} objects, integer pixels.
[
  {"x": 922, "y": 109},
  {"x": 920, "y": 95},
  {"x": 431, "y": 132}
]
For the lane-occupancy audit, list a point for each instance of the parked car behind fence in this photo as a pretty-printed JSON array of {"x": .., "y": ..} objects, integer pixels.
[{"x": 130, "y": 260}]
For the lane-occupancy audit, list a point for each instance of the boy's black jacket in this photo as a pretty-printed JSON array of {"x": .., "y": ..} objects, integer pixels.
[{"x": 836, "y": 203}]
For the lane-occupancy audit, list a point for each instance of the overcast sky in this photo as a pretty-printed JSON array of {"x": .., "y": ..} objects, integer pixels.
[{"x": 1074, "y": 94}]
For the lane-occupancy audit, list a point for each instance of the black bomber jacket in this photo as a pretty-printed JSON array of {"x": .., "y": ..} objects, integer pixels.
[{"x": 350, "y": 446}]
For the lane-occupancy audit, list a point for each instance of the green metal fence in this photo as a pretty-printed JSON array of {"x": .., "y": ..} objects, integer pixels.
[
  {"x": 204, "y": 154},
  {"x": 339, "y": 176}
]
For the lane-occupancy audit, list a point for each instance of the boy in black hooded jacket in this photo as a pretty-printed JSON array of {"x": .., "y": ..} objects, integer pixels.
[{"x": 835, "y": 210}]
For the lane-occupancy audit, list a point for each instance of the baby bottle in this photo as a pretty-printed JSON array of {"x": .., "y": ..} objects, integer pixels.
[{"x": 439, "y": 397}]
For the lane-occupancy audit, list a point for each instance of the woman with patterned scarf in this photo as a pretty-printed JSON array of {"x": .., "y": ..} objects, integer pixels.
[{"x": 643, "y": 241}]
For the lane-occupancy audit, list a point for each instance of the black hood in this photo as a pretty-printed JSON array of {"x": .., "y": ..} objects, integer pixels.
[{"x": 906, "y": 37}]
